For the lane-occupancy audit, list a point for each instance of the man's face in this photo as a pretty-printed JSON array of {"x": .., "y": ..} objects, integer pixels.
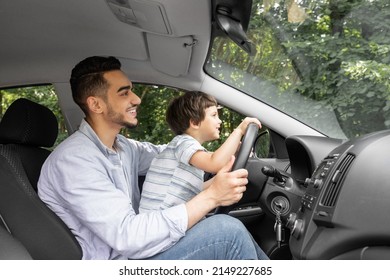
[{"x": 121, "y": 103}]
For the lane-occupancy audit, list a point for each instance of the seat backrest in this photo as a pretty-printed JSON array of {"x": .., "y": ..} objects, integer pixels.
[
  {"x": 11, "y": 248},
  {"x": 26, "y": 130}
]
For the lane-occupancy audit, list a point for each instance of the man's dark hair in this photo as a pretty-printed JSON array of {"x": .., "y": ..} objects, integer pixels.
[
  {"x": 188, "y": 107},
  {"x": 87, "y": 78}
]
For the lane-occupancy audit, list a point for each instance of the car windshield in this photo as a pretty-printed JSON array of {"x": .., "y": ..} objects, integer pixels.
[{"x": 323, "y": 62}]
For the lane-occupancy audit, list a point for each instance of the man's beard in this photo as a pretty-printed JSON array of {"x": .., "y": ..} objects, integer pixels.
[
  {"x": 129, "y": 125},
  {"x": 119, "y": 118}
]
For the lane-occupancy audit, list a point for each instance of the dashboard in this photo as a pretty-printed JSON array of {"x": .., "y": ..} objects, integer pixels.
[
  {"x": 345, "y": 201},
  {"x": 326, "y": 199}
]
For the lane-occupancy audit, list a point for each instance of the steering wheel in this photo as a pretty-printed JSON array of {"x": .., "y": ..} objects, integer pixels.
[{"x": 242, "y": 156}]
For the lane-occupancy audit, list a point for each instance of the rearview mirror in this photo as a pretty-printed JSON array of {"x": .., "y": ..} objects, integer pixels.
[{"x": 234, "y": 31}]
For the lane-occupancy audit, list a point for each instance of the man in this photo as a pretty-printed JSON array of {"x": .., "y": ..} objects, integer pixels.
[{"x": 91, "y": 182}]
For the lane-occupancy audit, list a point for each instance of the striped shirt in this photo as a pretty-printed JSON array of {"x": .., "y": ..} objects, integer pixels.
[{"x": 171, "y": 180}]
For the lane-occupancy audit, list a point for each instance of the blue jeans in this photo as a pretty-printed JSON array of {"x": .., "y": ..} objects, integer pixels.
[{"x": 219, "y": 237}]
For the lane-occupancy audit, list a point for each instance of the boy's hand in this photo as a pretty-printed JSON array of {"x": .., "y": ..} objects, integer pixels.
[{"x": 244, "y": 124}]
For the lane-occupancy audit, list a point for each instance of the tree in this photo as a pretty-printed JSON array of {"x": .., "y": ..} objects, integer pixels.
[
  {"x": 333, "y": 52},
  {"x": 152, "y": 123}
]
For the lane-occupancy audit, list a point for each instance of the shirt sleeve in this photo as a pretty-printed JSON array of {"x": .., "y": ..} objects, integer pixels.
[
  {"x": 85, "y": 187},
  {"x": 186, "y": 148},
  {"x": 147, "y": 151}
]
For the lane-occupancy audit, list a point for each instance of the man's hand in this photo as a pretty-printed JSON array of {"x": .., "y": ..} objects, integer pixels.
[
  {"x": 228, "y": 186},
  {"x": 226, "y": 189}
]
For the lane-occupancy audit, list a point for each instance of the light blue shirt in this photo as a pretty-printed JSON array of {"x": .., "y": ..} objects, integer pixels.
[
  {"x": 94, "y": 190},
  {"x": 171, "y": 179}
]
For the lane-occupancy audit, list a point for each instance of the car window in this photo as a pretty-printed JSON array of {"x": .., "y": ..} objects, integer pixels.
[
  {"x": 152, "y": 124},
  {"x": 325, "y": 63},
  {"x": 41, "y": 94}
]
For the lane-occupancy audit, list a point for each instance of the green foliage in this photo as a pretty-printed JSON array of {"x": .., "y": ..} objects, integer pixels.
[
  {"x": 346, "y": 48},
  {"x": 151, "y": 116},
  {"x": 334, "y": 55},
  {"x": 152, "y": 123}
]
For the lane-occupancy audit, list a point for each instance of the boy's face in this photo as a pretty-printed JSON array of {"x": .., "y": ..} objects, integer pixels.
[{"x": 211, "y": 124}]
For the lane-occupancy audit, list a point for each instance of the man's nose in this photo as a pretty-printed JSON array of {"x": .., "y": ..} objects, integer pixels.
[{"x": 134, "y": 99}]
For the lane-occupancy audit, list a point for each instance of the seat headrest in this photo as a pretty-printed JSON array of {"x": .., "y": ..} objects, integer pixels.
[{"x": 28, "y": 123}]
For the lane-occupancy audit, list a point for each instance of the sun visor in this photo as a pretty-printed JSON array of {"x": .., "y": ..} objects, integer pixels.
[
  {"x": 175, "y": 55},
  {"x": 148, "y": 15}
]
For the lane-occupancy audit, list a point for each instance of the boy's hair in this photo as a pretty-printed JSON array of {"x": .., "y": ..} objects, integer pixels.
[
  {"x": 188, "y": 107},
  {"x": 87, "y": 78}
]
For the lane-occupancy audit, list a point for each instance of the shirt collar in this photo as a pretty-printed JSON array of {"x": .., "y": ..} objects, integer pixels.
[{"x": 87, "y": 130}]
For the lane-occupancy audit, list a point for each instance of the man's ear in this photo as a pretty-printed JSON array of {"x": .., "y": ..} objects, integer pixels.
[{"x": 95, "y": 104}]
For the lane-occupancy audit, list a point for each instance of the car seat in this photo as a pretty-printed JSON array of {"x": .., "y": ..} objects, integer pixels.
[
  {"x": 10, "y": 248},
  {"x": 25, "y": 129}
]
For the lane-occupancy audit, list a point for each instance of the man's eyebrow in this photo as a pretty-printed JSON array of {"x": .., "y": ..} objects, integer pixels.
[{"x": 124, "y": 88}]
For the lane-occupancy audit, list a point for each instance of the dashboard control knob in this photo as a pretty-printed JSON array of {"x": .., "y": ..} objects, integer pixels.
[
  {"x": 317, "y": 183},
  {"x": 297, "y": 228},
  {"x": 291, "y": 220}
]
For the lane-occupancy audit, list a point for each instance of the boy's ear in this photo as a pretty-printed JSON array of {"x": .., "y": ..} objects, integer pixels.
[
  {"x": 94, "y": 104},
  {"x": 194, "y": 125}
]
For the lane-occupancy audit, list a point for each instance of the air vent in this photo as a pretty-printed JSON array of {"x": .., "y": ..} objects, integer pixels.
[{"x": 333, "y": 189}]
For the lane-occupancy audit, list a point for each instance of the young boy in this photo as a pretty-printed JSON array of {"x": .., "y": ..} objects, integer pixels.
[{"x": 176, "y": 174}]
